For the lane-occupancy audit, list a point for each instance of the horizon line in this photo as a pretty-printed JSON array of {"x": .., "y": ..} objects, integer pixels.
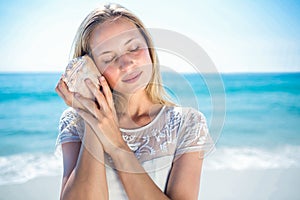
[{"x": 182, "y": 72}]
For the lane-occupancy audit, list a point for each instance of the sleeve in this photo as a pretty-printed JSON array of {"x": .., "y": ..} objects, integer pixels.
[
  {"x": 70, "y": 129},
  {"x": 193, "y": 135}
]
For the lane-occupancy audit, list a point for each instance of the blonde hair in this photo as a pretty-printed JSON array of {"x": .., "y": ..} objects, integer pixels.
[{"x": 154, "y": 89}]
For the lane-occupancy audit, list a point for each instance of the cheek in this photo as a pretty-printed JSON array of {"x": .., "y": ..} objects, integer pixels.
[
  {"x": 109, "y": 72},
  {"x": 145, "y": 56},
  {"x": 98, "y": 65},
  {"x": 147, "y": 61},
  {"x": 111, "y": 75}
]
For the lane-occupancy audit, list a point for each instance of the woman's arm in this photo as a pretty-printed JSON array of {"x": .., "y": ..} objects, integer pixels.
[
  {"x": 70, "y": 153},
  {"x": 84, "y": 172},
  {"x": 184, "y": 179},
  {"x": 88, "y": 179},
  {"x": 137, "y": 183},
  {"x": 183, "y": 182}
]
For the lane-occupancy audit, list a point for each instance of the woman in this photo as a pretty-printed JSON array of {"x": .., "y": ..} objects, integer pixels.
[{"x": 131, "y": 143}]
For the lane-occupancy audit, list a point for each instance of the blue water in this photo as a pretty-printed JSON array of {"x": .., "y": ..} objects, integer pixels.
[
  {"x": 262, "y": 109},
  {"x": 262, "y": 113},
  {"x": 29, "y": 113}
]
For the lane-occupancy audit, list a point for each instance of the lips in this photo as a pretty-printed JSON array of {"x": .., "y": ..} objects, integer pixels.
[{"x": 130, "y": 78}]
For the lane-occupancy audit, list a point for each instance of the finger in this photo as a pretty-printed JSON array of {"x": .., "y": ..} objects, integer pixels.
[
  {"x": 89, "y": 118},
  {"x": 96, "y": 92},
  {"x": 58, "y": 90},
  {"x": 93, "y": 123},
  {"x": 64, "y": 88},
  {"x": 90, "y": 105},
  {"x": 107, "y": 92},
  {"x": 68, "y": 96},
  {"x": 109, "y": 97}
]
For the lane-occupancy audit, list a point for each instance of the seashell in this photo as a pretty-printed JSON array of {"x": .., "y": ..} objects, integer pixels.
[{"x": 77, "y": 70}]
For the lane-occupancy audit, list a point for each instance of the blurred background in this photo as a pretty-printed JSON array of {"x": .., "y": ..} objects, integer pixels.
[{"x": 255, "y": 46}]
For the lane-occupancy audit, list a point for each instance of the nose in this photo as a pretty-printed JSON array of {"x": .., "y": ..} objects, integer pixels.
[{"x": 125, "y": 62}]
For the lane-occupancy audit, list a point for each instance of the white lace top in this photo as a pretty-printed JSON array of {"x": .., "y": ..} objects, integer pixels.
[{"x": 174, "y": 131}]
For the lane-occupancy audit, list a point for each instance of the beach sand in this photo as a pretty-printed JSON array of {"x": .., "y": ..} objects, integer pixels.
[
  {"x": 45, "y": 188},
  {"x": 266, "y": 184},
  {"x": 215, "y": 185}
]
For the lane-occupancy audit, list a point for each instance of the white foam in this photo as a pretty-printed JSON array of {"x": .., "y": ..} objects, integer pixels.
[
  {"x": 253, "y": 158},
  {"x": 23, "y": 167}
]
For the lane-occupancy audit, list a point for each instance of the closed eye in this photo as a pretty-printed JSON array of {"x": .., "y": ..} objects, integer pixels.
[
  {"x": 134, "y": 49},
  {"x": 108, "y": 60}
]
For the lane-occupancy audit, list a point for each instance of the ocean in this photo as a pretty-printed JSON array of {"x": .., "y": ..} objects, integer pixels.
[{"x": 261, "y": 113}]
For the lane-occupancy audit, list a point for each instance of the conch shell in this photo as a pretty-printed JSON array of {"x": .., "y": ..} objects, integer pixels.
[{"x": 77, "y": 71}]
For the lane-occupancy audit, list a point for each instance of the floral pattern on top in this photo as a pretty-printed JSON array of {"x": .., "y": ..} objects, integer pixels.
[{"x": 174, "y": 131}]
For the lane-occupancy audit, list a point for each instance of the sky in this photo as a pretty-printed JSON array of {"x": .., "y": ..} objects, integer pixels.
[{"x": 239, "y": 36}]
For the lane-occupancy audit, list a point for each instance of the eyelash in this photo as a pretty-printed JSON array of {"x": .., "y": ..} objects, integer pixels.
[
  {"x": 131, "y": 50},
  {"x": 109, "y": 61},
  {"x": 135, "y": 49}
]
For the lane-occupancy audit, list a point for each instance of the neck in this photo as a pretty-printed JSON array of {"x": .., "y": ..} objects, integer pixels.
[
  {"x": 138, "y": 110},
  {"x": 138, "y": 103}
]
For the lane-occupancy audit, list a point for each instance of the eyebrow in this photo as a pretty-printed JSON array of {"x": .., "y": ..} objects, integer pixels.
[{"x": 128, "y": 41}]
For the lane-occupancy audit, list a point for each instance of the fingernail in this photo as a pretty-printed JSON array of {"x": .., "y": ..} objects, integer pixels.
[
  {"x": 77, "y": 110},
  {"x": 102, "y": 78},
  {"x": 88, "y": 81}
]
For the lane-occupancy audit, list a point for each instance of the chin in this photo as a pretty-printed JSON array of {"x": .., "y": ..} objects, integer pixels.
[
  {"x": 131, "y": 90},
  {"x": 138, "y": 86}
]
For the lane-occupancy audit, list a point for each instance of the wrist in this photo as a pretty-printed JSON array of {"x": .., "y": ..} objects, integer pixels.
[
  {"x": 118, "y": 149},
  {"x": 125, "y": 161}
]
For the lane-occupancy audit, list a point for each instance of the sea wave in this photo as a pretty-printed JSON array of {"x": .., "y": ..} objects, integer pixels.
[
  {"x": 245, "y": 158},
  {"x": 20, "y": 168}
]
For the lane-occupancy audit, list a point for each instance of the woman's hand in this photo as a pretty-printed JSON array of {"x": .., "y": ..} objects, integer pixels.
[
  {"x": 68, "y": 97},
  {"x": 102, "y": 117}
]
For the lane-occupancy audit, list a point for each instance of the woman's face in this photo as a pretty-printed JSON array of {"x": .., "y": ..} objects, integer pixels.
[{"x": 121, "y": 54}]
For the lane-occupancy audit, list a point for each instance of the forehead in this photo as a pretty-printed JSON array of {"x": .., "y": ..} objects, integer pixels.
[{"x": 112, "y": 32}]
